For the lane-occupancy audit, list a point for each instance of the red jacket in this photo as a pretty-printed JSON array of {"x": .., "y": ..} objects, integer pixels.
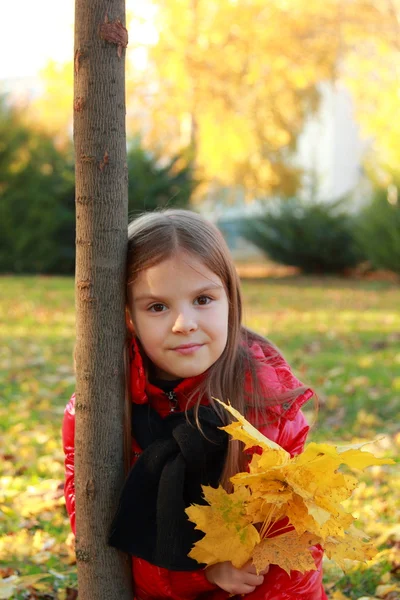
[{"x": 289, "y": 429}]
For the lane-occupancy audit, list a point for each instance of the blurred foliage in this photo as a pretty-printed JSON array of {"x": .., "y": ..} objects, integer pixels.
[
  {"x": 36, "y": 199},
  {"x": 370, "y": 71},
  {"x": 315, "y": 236},
  {"x": 342, "y": 338},
  {"x": 154, "y": 183},
  {"x": 238, "y": 80},
  {"x": 51, "y": 110},
  {"x": 247, "y": 74},
  {"x": 378, "y": 230},
  {"x": 37, "y": 207}
]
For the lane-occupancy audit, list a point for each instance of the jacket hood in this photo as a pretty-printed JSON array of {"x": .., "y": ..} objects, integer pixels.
[{"x": 277, "y": 381}]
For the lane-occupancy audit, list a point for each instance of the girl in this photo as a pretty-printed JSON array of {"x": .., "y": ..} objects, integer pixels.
[{"x": 187, "y": 345}]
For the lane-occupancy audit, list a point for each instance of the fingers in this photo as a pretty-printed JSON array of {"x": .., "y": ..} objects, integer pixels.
[
  {"x": 250, "y": 568},
  {"x": 245, "y": 581},
  {"x": 253, "y": 580},
  {"x": 232, "y": 580},
  {"x": 244, "y": 589}
]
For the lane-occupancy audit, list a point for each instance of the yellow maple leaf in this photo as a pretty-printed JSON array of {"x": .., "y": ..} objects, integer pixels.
[
  {"x": 353, "y": 546},
  {"x": 274, "y": 492},
  {"x": 245, "y": 432},
  {"x": 320, "y": 515},
  {"x": 322, "y": 455},
  {"x": 230, "y": 536},
  {"x": 262, "y": 484},
  {"x": 255, "y": 509},
  {"x": 298, "y": 515},
  {"x": 270, "y": 459},
  {"x": 337, "y": 526},
  {"x": 360, "y": 459},
  {"x": 262, "y": 512},
  {"x": 308, "y": 516},
  {"x": 289, "y": 551},
  {"x": 338, "y": 486}
]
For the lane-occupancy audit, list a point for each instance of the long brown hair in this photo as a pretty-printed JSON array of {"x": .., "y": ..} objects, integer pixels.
[{"x": 155, "y": 237}]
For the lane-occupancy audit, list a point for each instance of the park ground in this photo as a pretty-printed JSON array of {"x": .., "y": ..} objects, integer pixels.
[{"x": 341, "y": 336}]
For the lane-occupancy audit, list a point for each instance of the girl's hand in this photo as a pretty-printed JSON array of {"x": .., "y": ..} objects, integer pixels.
[{"x": 235, "y": 581}]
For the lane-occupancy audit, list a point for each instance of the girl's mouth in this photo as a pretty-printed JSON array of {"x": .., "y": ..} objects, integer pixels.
[{"x": 187, "y": 348}]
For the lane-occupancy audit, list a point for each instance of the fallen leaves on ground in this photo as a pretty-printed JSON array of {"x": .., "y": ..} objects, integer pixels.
[{"x": 350, "y": 329}]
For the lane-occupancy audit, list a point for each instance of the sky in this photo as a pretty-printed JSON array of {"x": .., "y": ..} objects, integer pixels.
[{"x": 35, "y": 32}]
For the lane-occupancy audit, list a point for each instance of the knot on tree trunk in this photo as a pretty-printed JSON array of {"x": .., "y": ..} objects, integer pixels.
[
  {"x": 114, "y": 33},
  {"x": 77, "y": 60},
  {"x": 83, "y": 555}
]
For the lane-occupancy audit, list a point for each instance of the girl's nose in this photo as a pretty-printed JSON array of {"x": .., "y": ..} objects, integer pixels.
[{"x": 184, "y": 323}]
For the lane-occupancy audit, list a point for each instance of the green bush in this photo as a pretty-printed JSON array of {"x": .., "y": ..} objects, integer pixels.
[
  {"x": 315, "y": 236},
  {"x": 36, "y": 200},
  {"x": 378, "y": 231},
  {"x": 37, "y": 195},
  {"x": 154, "y": 183}
]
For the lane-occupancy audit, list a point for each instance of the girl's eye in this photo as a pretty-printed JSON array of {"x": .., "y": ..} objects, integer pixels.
[
  {"x": 157, "y": 307},
  {"x": 203, "y": 300}
]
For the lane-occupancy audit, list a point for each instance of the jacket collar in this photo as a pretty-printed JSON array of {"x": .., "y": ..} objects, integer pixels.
[
  {"x": 142, "y": 390},
  {"x": 178, "y": 400},
  {"x": 274, "y": 375}
]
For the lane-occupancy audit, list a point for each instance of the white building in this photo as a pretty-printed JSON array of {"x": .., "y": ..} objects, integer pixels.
[
  {"x": 330, "y": 149},
  {"x": 330, "y": 152}
]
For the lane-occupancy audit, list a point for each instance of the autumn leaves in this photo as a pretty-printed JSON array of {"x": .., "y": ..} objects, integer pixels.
[{"x": 283, "y": 506}]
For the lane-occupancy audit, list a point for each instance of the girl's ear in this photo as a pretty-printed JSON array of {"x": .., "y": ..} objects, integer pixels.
[{"x": 128, "y": 320}]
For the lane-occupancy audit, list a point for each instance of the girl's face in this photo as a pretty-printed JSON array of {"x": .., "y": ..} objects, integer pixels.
[{"x": 180, "y": 311}]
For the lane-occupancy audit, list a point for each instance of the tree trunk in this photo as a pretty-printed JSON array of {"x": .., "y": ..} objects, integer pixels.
[{"x": 101, "y": 241}]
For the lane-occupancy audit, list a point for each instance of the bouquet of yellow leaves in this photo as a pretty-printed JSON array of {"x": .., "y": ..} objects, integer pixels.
[{"x": 283, "y": 506}]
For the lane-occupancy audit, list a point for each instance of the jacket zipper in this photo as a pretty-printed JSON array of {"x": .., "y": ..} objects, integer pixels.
[{"x": 173, "y": 401}]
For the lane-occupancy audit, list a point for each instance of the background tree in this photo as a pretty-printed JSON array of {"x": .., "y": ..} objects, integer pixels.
[
  {"x": 245, "y": 74},
  {"x": 238, "y": 80},
  {"x": 51, "y": 110},
  {"x": 101, "y": 243},
  {"x": 368, "y": 66}
]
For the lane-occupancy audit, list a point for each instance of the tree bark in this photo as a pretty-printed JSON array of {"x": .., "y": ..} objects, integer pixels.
[{"x": 101, "y": 241}]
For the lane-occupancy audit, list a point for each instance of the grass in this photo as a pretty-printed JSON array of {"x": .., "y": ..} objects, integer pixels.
[{"x": 342, "y": 338}]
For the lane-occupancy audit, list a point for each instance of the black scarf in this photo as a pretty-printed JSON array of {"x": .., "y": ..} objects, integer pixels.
[{"x": 177, "y": 459}]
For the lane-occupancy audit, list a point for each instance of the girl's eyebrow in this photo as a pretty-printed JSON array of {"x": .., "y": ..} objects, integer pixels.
[{"x": 207, "y": 288}]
